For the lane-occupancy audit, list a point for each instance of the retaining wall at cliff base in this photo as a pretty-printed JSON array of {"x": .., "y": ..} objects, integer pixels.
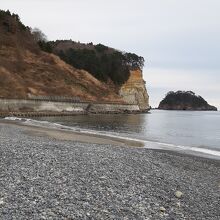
[{"x": 21, "y": 105}]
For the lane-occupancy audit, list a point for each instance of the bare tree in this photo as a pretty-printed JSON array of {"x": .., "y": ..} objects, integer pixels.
[{"x": 39, "y": 36}]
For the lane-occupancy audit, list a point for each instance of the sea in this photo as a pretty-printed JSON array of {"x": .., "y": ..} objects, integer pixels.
[{"x": 192, "y": 132}]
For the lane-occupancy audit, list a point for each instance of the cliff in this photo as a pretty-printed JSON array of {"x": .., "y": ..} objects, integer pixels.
[
  {"x": 185, "y": 100},
  {"x": 134, "y": 91},
  {"x": 127, "y": 82}
]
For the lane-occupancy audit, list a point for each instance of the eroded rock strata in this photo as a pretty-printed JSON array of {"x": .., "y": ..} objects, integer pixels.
[{"x": 134, "y": 91}]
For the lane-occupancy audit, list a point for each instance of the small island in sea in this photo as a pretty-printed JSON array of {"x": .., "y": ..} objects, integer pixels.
[{"x": 185, "y": 100}]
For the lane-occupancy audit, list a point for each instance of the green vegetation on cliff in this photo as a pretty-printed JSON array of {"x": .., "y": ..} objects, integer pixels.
[
  {"x": 185, "y": 100},
  {"x": 101, "y": 61}
]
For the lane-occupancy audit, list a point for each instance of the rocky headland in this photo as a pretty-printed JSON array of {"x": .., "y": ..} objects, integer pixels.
[
  {"x": 185, "y": 100},
  {"x": 31, "y": 66}
]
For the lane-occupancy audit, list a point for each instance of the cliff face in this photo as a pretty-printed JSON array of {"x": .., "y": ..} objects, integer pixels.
[
  {"x": 185, "y": 100},
  {"x": 134, "y": 91}
]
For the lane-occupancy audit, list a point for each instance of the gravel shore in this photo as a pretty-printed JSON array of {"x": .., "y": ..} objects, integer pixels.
[{"x": 45, "y": 178}]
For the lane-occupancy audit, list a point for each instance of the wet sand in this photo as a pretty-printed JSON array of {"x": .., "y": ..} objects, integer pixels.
[{"x": 77, "y": 136}]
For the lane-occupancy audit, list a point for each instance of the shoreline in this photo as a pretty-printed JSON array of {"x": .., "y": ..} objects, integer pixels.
[
  {"x": 78, "y": 136},
  {"x": 90, "y": 138},
  {"x": 64, "y": 114}
]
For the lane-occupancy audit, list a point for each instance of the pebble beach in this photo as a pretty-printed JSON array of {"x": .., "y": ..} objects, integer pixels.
[{"x": 44, "y": 177}]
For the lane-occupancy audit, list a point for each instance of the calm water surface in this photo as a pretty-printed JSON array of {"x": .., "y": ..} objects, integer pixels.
[{"x": 195, "y": 129}]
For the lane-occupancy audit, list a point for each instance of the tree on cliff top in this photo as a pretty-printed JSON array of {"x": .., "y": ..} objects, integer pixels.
[{"x": 134, "y": 61}]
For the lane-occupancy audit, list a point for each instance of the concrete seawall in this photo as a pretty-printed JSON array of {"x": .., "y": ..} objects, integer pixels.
[
  {"x": 17, "y": 106},
  {"x": 96, "y": 107},
  {"x": 22, "y": 105}
]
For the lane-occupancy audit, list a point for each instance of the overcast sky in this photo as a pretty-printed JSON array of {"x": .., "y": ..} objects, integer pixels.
[{"x": 179, "y": 39}]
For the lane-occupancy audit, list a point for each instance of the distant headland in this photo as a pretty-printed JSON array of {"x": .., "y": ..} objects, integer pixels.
[{"x": 185, "y": 100}]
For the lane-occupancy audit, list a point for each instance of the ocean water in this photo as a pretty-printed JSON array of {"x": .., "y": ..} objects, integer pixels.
[
  {"x": 191, "y": 131},
  {"x": 186, "y": 128}
]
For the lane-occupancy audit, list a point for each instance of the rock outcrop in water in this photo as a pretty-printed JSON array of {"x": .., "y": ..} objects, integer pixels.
[{"x": 185, "y": 100}]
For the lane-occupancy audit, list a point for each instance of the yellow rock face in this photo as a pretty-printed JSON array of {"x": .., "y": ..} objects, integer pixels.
[{"x": 134, "y": 90}]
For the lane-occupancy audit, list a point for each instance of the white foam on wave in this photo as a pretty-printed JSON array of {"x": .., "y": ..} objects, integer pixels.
[
  {"x": 181, "y": 148},
  {"x": 14, "y": 119},
  {"x": 33, "y": 122},
  {"x": 148, "y": 144}
]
